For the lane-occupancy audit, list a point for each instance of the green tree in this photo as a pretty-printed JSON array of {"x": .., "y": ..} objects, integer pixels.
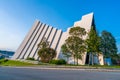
[
  {"x": 93, "y": 44},
  {"x": 77, "y": 31},
  {"x": 75, "y": 43},
  {"x": 65, "y": 51},
  {"x": 45, "y": 52},
  {"x": 108, "y": 44},
  {"x": 43, "y": 44}
]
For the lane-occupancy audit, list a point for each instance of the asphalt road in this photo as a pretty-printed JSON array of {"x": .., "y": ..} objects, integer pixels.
[{"x": 7, "y": 73}]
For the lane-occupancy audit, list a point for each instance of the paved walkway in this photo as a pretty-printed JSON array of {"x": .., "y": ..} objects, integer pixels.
[{"x": 71, "y": 68}]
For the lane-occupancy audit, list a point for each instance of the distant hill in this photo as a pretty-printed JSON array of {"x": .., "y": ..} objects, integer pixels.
[{"x": 6, "y": 54}]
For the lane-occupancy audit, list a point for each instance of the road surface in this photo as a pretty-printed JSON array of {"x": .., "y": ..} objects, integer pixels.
[{"x": 8, "y": 73}]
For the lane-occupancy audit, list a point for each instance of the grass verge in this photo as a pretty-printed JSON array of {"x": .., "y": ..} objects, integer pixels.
[{"x": 5, "y": 62}]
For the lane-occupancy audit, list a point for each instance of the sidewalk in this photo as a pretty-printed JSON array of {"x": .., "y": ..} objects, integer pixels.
[{"x": 70, "y": 68}]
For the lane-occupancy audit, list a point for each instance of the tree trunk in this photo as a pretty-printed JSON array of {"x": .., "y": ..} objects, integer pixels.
[
  {"x": 74, "y": 59},
  {"x": 77, "y": 59},
  {"x": 92, "y": 59},
  {"x": 67, "y": 59}
]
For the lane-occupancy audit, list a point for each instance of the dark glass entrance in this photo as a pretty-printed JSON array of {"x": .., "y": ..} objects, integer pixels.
[{"x": 87, "y": 59}]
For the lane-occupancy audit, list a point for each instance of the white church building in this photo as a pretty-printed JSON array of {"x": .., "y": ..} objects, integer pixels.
[{"x": 39, "y": 30}]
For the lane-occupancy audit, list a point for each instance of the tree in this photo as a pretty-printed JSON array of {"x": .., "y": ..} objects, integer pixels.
[
  {"x": 108, "y": 44},
  {"x": 65, "y": 51},
  {"x": 75, "y": 43},
  {"x": 45, "y": 52},
  {"x": 76, "y": 47},
  {"x": 115, "y": 59},
  {"x": 93, "y": 43},
  {"x": 77, "y": 31},
  {"x": 43, "y": 44}
]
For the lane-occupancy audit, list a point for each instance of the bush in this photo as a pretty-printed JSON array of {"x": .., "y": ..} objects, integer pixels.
[
  {"x": 29, "y": 58},
  {"x": 3, "y": 61},
  {"x": 58, "y": 62},
  {"x": 46, "y": 54}
]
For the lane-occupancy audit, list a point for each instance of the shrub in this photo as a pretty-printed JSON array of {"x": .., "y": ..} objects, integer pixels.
[
  {"x": 58, "y": 62},
  {"x": 46, "y": 54},
  {"x": 3, "y": 61},
  {"x": 29, "y": 58}
]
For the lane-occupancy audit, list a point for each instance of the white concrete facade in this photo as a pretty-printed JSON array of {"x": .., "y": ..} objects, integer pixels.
[{"x": 28, "y": 47}]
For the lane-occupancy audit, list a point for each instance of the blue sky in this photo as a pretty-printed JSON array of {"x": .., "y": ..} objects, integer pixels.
[{"x": 17, "y": 17}]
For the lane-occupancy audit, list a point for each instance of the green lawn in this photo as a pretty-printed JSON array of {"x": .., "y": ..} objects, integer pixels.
[
  {"x": 105, "y": 66},
  {"x": 4, "y": 62}
]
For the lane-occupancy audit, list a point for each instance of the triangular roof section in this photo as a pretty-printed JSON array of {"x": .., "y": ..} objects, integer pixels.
[{"x": 86, "y": 21}]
